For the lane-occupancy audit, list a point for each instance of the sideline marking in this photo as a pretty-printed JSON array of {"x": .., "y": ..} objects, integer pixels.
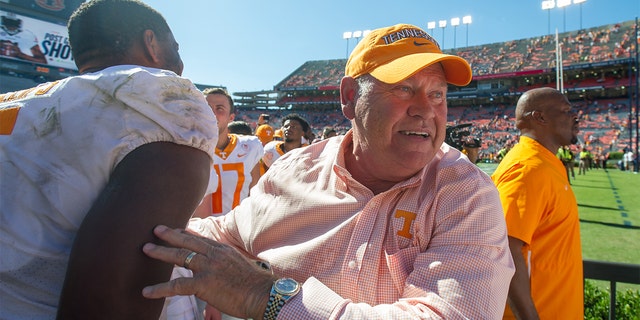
[{"x": 623, "y": 214}]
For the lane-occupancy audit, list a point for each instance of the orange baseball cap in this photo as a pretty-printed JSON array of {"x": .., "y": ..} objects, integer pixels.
[
  {"x": 264, "y": 132},
  {"x": 395, "y": 53}
]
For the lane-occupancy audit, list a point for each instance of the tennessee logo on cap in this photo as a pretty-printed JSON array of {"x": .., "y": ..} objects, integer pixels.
[
  {"x": 395, "y": 53},
  {"x": 410, "y": 33}
]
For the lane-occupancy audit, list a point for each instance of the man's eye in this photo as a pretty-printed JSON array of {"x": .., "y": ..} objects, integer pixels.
[
  {"x": 437, "y": 96},
  {"x": 403, "y": 91}
]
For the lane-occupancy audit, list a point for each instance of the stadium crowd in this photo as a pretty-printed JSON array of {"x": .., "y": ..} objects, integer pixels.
[{"x": 591, "y": 45}]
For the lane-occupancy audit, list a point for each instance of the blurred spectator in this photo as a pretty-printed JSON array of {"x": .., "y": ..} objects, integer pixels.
[
  {"x": 584, "y": 161},
  {"x": 293, "y": 128},
  {"x": 277, "y": 135},
  {"x": 240, "y": 127},
  {"x": 566, "y": 156}
]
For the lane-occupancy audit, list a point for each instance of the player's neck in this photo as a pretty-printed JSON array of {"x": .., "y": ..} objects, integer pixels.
[
  {"x": 290, "y": 145},
  {"x": 223, "y": 141}
]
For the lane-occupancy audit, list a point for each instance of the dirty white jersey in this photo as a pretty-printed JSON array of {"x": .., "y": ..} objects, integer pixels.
[
  {"x": 232, "y": 172},
  {"x": 59, "y": 143}
]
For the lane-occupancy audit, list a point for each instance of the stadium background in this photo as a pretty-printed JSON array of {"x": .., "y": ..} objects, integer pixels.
[{"x": 600, "y": 77}]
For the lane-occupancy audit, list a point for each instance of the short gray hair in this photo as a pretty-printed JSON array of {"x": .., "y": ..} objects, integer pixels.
[{"x": 365, "y": 85}]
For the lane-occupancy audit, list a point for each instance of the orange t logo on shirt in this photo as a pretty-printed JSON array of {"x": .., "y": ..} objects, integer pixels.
[{"x": 406, "y": 227}]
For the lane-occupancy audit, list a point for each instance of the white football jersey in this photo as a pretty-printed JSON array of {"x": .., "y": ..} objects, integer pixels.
[
  {"x": 272, "y": 151},
  {"x": 59, "y": 143},
  {"x": 232, "y": 172}
]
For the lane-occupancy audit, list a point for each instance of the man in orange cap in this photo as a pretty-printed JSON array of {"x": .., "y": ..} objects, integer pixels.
[
  {"x": 264, "y": 131},
  {"x": 277, "y": 135},
  {"x": 385, "y": 222}
]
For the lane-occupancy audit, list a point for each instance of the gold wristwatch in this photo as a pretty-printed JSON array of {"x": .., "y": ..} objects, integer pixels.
[{"x": 281, "y": 291}]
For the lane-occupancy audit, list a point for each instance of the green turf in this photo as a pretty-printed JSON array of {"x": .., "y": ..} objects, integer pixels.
[{"x": 609, "y": 209}]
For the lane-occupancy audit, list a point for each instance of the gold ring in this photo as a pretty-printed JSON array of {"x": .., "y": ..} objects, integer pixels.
[{"x": 188, "y": 259}]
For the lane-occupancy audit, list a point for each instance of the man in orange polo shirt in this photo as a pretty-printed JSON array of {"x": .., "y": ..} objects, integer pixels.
[{"x": 541, "y": 211}]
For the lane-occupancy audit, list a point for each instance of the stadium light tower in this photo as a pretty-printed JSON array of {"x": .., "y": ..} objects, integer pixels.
[
  {"x": 357, "y": 35},
  {"x": 548, "y": 5},
  {"x": 430, "y": 26},
  {"x": 442, "y": 24},
  {"x": 563, "y": 4},
  {"x": 347, "y": 35},
  {"x": 455, "y": 22},
  {"x": 580, "y": 3},
  {"x": 467, "y": 21}
]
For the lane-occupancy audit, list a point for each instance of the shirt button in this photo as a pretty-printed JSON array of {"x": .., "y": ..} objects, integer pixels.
[{"x": 352, "y": 265}]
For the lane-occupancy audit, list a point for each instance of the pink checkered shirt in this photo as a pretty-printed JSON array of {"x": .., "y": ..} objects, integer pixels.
[{"x": 434, "y": 246}]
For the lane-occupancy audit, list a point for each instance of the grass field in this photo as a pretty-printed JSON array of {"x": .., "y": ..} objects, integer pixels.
[{"x": 609, "y": 208}]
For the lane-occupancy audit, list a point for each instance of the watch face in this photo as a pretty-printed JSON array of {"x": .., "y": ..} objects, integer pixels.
[{"x": 286, "y": 286}]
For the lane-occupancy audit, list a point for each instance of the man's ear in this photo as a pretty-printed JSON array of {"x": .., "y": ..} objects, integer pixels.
[
  {"x": 348, "y": 93},
  {"x": 538, "y": 116},
  {"x": 151, "y": 46}
]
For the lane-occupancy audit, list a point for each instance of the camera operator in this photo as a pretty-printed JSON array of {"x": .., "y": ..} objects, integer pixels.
[{"x": 461, "y": 140}]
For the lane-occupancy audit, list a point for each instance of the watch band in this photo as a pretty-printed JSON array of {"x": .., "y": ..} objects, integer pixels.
[
  {"x": 273, "y": 306},
  {"x": 281, "y": 291}
]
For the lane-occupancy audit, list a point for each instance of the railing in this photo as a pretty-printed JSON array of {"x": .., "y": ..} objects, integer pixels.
[{"x": 613, "y": 272}]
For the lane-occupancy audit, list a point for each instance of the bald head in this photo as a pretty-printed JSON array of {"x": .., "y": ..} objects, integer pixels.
[
  {"x": 537, "y": 100},
  {"x": 545, "y": 114}
]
